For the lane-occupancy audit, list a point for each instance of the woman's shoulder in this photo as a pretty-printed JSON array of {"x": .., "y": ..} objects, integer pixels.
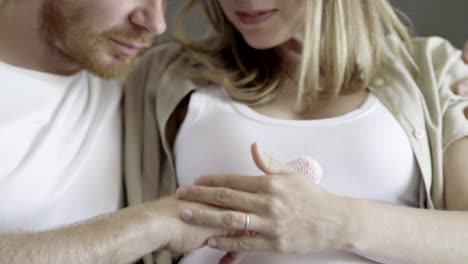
[
  {"x": 434, "y": 52},
  {"x": 163, "y": 62},
  {"x": 429, "y": 60},
  {"x": 430, "y": 67},
  {"x": 437, "y": 51},
  {"x": 438, "y": 60},
  {"x": 161, "y": 57}
]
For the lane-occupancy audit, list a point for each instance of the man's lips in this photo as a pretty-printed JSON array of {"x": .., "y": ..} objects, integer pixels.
[
  {"x": 255, "y": 17},
  {"x": 130, "y": 49}
]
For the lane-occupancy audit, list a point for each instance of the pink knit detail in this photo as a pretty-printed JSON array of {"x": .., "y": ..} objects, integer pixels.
[{"x": 308, "y": 167}]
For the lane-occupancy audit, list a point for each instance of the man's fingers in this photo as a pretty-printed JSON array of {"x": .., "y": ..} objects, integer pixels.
[
  {"x": 232, "y": 258},
  {"x": 227, "y": 220},
  {"x": 462, "y": 90},
  {"x": 221, "y": 197},
  {"x": 465, "y": 52}
]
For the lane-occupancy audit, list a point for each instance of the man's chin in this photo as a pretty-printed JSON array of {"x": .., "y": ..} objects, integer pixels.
[
  {"x": 116, "y": 71},
  {"x": 103, "y": 64},
  {"x": 110, "y": 75}
]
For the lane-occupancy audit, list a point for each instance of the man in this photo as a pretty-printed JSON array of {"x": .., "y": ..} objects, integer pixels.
[
  {"x": 465, "y": 52},
  {"x": 462, "y": 88},
  {"x": 60, "y": 127}
]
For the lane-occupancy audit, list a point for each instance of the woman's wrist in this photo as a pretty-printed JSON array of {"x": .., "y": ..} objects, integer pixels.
[
  {"x": 343, "y": 216},
  {"x": 349, "y": 228},
  {"x": 365, "y": 226}
]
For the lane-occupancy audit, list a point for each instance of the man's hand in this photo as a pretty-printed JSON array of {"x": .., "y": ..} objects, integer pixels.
[
  {"x": 119, "y": 237},
  {"x": 179, "y": 236},
  {"x": 462, "y": 88},
  {"x": 465, "y": 52}
]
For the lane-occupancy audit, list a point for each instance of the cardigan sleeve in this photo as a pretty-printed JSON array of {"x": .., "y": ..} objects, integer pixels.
[{"x": 141, "y": 136}]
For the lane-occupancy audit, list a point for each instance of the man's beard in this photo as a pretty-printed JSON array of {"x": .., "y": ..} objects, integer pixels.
[{"x": 63, "y": 26}]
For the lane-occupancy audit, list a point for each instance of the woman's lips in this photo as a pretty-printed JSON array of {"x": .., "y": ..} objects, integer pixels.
[{"x": 254, "y": 17}]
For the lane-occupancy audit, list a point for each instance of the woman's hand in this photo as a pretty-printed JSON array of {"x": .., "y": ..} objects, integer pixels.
[{"x": 283, "y": 211}]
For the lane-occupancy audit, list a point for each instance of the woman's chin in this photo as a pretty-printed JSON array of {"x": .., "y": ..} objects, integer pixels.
[{"x": 261, "y": 43}]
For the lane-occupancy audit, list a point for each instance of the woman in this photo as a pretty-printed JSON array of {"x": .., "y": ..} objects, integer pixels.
[{"x": 339, "y": 81}]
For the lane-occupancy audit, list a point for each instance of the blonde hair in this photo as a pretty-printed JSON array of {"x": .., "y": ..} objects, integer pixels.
[{"x": 342, "y": 47}]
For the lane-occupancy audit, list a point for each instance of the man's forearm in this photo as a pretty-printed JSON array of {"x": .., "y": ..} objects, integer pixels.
[{"x": 117, "y": 238}]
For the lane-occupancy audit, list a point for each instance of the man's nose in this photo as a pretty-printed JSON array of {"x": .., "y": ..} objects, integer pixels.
[{"x": 150, "y": 16}]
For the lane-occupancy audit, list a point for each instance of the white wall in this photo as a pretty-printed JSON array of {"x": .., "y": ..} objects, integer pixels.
[{"x": 446, "y": 18}]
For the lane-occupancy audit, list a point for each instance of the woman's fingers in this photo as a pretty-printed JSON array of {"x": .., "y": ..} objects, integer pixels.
[
  {"x": 222, "y": 197},
  {"x": 268, "y": 164},
  {"x": 227, "y": 220},
  {"x": 243, "y": 244},
  {"x": 231, "y": 181}
]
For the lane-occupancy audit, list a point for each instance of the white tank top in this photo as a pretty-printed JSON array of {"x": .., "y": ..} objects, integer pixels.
[{"x": 364, "y": 154}]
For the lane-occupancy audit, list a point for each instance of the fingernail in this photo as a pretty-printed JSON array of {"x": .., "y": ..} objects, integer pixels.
[
  {"x": 212, "y": 243},
  {"x": 260, "y": 149},
  {"x": 181, "y": 192},
  {"x": 463, "y": 89},
  {"x": 187, "y": 215},
  {"x": 197, "y": 181}
]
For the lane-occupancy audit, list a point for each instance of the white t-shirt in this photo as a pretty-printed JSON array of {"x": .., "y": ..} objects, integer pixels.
[
  {"x": 60, "y": 148},
  {"x": 365, "y": 154}
]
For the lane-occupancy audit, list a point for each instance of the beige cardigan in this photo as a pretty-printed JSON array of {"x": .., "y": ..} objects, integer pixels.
[{"x": 418, "y": 92}]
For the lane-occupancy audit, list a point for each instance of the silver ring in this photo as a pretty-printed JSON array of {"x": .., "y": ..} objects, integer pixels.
[{"x": 247, "y": 222}]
